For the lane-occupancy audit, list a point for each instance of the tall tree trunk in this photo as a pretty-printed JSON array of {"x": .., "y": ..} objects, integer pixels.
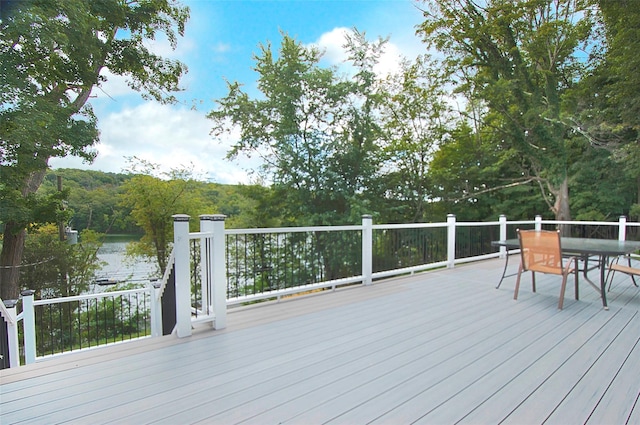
[
  {"x": 561, "y": 206},
  {"x": 13, "y": 243},
  {"x": 10, "y": 258}
]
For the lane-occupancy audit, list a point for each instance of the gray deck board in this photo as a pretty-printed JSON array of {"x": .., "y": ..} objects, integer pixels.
[{"x": 438, "y": 347}]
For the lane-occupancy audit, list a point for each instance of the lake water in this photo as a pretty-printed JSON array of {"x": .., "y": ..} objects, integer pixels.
[{"x": 120, "y": 268}]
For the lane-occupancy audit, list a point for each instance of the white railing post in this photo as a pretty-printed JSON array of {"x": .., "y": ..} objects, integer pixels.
[
  {"x": 219, "y": 272},
  {"x": 503, "y": 234},
  {"x": 451, "y": 240},
  {"x": 183, "y": 274},
  {"x": 29, "y": 323},
  {"x": 9, "y": 316},
  {"x": 367, "y": 249},
  {"x": 622, "y": 228},
  {"x": 156, "y": 309},
  {"x": 538, "y": 223},
  {"x": 206, "y": 262},
  {"x": 214, "y": 223}
]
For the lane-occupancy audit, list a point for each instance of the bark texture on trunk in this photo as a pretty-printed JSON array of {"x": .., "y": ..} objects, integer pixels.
[
  {"x": 15, "y": 235},
  {"x": 10, "y": 258},
  {"x": 561, "y": 207}
]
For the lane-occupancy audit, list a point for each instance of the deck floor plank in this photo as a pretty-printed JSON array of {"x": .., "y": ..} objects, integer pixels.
[
  {"x": 436, "y": 347},
  {"x": 376, "y": 332},
  {"x": 397, "y": 359},
  {"x": 606, "y": 368},
  {"x": 427, "y": 368},
  {"x": 497, "y": 364}
]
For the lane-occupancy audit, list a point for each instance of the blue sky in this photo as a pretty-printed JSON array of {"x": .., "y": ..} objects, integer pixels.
[{"x": 220, "y": 41}]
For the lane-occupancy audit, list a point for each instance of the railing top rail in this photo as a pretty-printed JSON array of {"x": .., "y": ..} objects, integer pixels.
[
  {"x": 291, "y": 229},
  {"x": 407, "y": 226},
  {"x": 586, "y": 223},
  {"x": 401, "y": 226},
  {"x": 199, "y": 235},
  {"x": 477, "y": 224},
  {"x": 89, "y": 296},
  {"x": 521, "y": 222}
]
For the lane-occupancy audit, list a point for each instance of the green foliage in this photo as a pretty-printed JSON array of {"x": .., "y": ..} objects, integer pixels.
[
  {"x": 74, "y": 325},
  {"x": 318, "y": 146},
  {"x": 606, "y": 103},
  {"x": 55, "y": 268},
  {"x": 52, "y": 55},
  {"x": 621, "y": 62},
  {"x": 92, "y": 199},
  {"x": 415, "y": 121},
  {"x": 154, "y": 196},
  {"x": 518, "y": 58}
]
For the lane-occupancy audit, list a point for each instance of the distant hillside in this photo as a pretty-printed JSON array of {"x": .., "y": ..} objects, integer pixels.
[{"x": 94, "y": 199}]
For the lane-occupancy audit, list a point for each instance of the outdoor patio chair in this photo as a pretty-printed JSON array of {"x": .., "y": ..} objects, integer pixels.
[
  {"x": 541, "y": 252},
  {"x": 615, "y": 266}
]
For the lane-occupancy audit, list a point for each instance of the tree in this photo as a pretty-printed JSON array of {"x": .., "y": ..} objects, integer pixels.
[
  {"x": 520, "y": 59},
  {"x": 312, "y": 129},
  {"x": 607, "y": 104},
  {"x": 55, "y": 268},
  {"x": 52, "y": 54},
  {"x": 415, "y": 120},
  {"x": 153, "y": 197}
]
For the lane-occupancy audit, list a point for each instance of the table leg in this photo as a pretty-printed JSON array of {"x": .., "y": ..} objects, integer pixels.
[
  {"x": 585, "y": 270},
  {"x": 603, "y": 281},
  {"x": 504, "y": 272}
]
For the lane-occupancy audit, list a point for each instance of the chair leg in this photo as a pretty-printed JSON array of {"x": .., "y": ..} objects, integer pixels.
[
  {"x": 533, "y": 281},
  {"x": 562, "y": 290},
  {"x": 575, "y": 272},
  {"x": 612, "y": 273},
  {"x": 515, "y": 293},
  {"x": 633, "y": 278}
]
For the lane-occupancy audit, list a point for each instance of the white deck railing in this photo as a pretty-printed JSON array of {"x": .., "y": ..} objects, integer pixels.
[{"x": 431, "y": 245}]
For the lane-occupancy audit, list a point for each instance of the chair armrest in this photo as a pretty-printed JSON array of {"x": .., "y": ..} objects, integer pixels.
[{"x": 625, "y": 269}]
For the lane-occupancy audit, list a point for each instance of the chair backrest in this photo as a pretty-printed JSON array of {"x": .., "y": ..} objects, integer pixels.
[{"x": 540, "y": 250}]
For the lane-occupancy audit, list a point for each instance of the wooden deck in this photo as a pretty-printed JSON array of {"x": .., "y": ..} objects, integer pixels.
[{"x": 441, "y": 347}]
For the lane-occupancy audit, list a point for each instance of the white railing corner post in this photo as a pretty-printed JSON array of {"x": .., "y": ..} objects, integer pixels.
[
  {"x": 622, "y": 228},
  {"x": 503, "y": 234},
  {"x": 215, "y": 223},
  {"x": 367, "y": 249},
  {"x": 156, "y": 309},
  {"x": 10, "y": 318},
  {"x": 183, "y": 274},
  {"x": 538, "y": 223},
  {"x": 451, "y": 240},
  {"x": 29, "y": 324}
]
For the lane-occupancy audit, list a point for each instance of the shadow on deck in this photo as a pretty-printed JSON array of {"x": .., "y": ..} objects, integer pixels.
[{"x": 438, "y": 347}]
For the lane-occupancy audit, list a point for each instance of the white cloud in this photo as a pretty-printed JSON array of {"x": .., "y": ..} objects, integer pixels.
[
  {"x": 162, "y": 47},
  {"x": 332, "y": 44},
  {"x": 115, "y": 86},
  {"x": 221, "y": 47},
  {"x": 390, "y": 60},
  {"x": 164, "y": 135}
]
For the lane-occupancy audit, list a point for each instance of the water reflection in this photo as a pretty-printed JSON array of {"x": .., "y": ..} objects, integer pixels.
[{"x": 121, "y": 269}]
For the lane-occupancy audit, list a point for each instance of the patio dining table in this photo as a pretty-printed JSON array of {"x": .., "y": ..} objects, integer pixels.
[{"x": 583, "y": 248}]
